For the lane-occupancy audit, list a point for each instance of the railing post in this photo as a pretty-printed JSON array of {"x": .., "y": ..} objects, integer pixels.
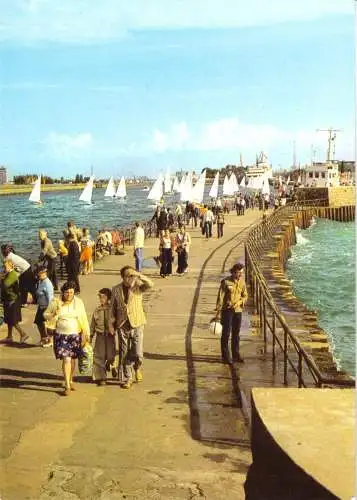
[
  {"x": 256, "y": 305},
  {"x": 285, "y": 357},
  {"x": 273, "y": 340},
  {"x": 300, "y": 369},
  {"x": 260, "y": 307},
  {"x": 264, "y": 321}
]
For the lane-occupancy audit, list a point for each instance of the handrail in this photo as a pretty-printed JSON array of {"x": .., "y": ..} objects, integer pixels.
[{"x": 270, "y": 317}]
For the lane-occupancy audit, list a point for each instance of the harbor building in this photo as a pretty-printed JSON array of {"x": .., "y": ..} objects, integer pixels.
[{"x": 3, "y": 175}]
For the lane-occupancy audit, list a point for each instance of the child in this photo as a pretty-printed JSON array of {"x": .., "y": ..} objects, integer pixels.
[
  {"x": 44, "y": 295},
  {"x": 104, "y": 347},
  {"x": 63, "y": 253}
]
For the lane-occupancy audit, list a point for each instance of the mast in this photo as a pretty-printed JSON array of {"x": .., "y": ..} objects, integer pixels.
[{"x": 331, "y": 149}]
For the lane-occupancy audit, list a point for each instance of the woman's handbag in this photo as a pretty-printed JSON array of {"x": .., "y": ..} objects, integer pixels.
[{"x": 85, "y": 360}]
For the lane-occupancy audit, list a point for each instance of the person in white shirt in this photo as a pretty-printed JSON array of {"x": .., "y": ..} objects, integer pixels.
[
  {"x": 23, "y": 268},
  {"x": 139, "y": 239},
  {"x": 109, "y": 237},
  {"x": 208, "y": 219}
]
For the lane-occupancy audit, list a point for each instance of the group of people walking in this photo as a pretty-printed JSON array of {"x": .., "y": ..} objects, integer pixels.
[{"x": 119, "y": 318}]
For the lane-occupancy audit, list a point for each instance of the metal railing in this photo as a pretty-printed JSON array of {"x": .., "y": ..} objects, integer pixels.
[{"x": 270, "y": 319}]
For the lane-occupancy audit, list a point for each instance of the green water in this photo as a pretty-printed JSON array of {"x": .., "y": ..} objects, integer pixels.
[{"x": 322, "y": 271}]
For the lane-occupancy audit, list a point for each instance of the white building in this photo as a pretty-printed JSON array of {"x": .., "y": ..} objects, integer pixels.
[{"x": 321, "y": 174}]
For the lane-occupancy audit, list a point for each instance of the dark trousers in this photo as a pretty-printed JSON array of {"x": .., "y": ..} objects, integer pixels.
[
  {"x": 231, "y": 323},
  {"x": 51, "y": 272},
  {"x": 166, "y": 264},
  {"x": 27, "y": 284},
  {"x": 208, "y": 229},
  {"x": 219, "y": 229},
  {"x": 73, "y": 275},
  {"x": 181, "y": 261}
]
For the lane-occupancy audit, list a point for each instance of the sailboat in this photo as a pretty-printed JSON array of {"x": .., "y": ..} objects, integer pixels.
[
  {"x": 86, "y": 195},
  {"x": 35, "y": 195},
  {"x": 167, "y": 184},
  {"x": 265, "y": 187},
  {"x": 242, "y": 182},
  {"x": 197, "y": 191},
  {"x": 226, "y": 186},
  {"x": 110, "y": 191},
  {"x": 186, "y": 191},
  {"x": 233, "y": 183},
  {"x": 176, "y": 186},
  {"x": 213, "y": 192},
  {"x": 157, "y": 190},
  {"x": 121, "y": 191}
]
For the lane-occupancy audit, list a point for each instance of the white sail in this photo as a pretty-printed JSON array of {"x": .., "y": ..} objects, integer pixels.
[
  {"x": 176, "y": 186},
  {"x": 288, "y": 181},
  {"x": 87, "y": 191},
  {"x": 167, "y": 183},
  {"x": 182, "y": 183},
  {"x": 226, "y": 186},
  {"x": 110, "y": 191},
  {"x": 121, "y": 190},
  {"x": 233, "y": 183},
  {"x": 157, "y": 190},
  {"x": 242, "y": 182},
  {"x": 198, "y": 190},
  {"x": 35, "y": 195},
  {"x": 266, "y": 187},
  {"x": 258, "y": 182},
  {"x": 186, "y": 192},
  {"x": 213, "y": 192}
]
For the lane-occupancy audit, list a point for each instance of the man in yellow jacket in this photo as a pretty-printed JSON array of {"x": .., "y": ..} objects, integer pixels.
[
  {"x": 127, "y": 317},
  {"x": 232, "y": 297}
]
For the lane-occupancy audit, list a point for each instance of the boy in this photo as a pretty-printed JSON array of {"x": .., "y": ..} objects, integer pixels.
[{"x": 104, "y": 348}]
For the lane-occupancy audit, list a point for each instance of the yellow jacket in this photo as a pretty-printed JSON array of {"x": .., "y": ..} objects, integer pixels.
[
  {"x": 232, "y": 294},
  {"x": 133, "y": 310}
]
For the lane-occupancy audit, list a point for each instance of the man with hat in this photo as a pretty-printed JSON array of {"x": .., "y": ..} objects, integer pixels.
[{"x": 232, "y": 297}]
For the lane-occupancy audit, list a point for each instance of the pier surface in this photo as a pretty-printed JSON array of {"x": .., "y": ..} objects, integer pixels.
[{"x": 181, "y": 433}]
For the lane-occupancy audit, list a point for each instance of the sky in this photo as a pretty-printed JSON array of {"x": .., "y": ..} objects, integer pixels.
[{"x": 135, "y": 88}]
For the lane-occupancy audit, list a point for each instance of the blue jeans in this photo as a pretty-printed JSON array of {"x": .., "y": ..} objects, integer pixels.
[
  {"x": 231, "y": 323},
  {"x": 208, "y": 229},
  {"x": 138, "y": 259}
]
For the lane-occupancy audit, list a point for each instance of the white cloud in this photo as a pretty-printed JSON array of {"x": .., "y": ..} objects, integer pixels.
[
  {"x": 229, "y": 134},
  {"x": 175, "y": 139},
  {"x": 66, "y": 146},
  {"x": 84, "y": 21}
]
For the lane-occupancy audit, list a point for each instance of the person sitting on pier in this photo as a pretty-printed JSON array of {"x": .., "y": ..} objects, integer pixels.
[
  {"x": 86, "y": 257},
  {"x": 231, "y": 299}
]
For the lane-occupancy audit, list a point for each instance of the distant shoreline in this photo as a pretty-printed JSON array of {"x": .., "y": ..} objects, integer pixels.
[{"x": 11, "y": 189}]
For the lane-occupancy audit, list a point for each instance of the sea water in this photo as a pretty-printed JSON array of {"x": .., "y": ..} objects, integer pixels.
[
  {"x": 322, "y": 271},
  {"x": 20, "y": 220}
]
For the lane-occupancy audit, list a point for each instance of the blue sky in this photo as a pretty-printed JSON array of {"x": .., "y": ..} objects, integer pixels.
[{"x": 139, "y": 86}]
